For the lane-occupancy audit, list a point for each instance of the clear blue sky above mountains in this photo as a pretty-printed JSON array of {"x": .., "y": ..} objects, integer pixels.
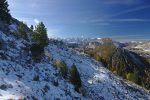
[{"x": 118, "y": 19}]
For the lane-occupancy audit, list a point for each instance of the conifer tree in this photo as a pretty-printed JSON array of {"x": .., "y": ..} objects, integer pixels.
[
  {"x": 75, "y": 76},
  {"x": 40, "y": 35},
  {"x": 4, "y": 11},
  {"x": 21, "y": 31}
]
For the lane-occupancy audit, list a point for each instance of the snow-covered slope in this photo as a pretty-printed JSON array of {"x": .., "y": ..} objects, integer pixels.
[
  {"x": 23, "y": 78},
  {"x": 100, "y": 84},
  {"x": 141, "y": 48},
  {"x": 144, "y": 46},
  {"x": 18, "y": 72}
]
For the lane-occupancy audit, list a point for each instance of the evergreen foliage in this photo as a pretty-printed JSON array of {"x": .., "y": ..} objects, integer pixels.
[
  {"x": 36, "y": 78},
  {"x": 61, "y": 65},
  {"x": 132, "y": 77},
  {"x": 40, "y": 35},
  {"x": 36, "y": 50},
  {"x": 4, "y": 11},
  {"x": 21, "y": 31},
  {"x": 75, "y": 76}
]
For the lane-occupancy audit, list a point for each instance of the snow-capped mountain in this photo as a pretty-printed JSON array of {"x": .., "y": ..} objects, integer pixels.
[
  {"x": 145, "y": 46},
  {"x": 23, "y": 78},
  {"x": 142, "y": 48}
]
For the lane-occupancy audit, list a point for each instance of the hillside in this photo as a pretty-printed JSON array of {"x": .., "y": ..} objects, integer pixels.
[
  {"x": 145, "y": 46},
  {"x": 141, "y": 48},
  {"x": 118, "y": 58},
  {"x": 22, "y": 77}
]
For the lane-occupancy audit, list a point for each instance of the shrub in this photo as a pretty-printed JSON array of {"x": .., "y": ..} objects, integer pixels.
[
  {"x": 61, "y": 65},
  {"x": 132, "y": 77},
  {"x": 0, "y": 45},
  {"x": 34, "y": 98},
  {"x": 145, "y": 83},
  {"x": 148, "y": 60},
  {"x": 75, "y": 77},
  {"x": 36, "y": 50},
  {"x": 55, "y": 83},
  {"x": 63, "y": 70},
  {"x": 36, "y": 78},
  {"x": 3, "y": 87},
  {"x": 98, "y": 58},
  {"x": 21, "y": 31}
]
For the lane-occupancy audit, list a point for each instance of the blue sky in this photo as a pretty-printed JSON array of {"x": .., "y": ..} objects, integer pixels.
[{"x": 118, "y": 19}]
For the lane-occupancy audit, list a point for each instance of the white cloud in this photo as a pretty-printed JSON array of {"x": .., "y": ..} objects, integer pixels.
[
  {"x": 108, "y": 21},
  {"x": 108, "y": 18},
  {"x": 36, "y": 21},
  {"x": 129, "y": 20},
  {"x": 130, "y": 10}
]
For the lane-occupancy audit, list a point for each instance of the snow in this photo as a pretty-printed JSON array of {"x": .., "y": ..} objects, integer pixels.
[
  {"x": 17, "y": 73},
  {"x": 143, "y": 46},
  {"x": 98, "y": 81},
  {"x": 147, "y": 50},
  {"x": 13, "y": 28},
  {"x": 17, "y": 70}
]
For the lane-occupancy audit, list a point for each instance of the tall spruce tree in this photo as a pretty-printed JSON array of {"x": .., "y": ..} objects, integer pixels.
[
  {"x": 40, "y": 35},
  {"x": 4, "y": 11}
]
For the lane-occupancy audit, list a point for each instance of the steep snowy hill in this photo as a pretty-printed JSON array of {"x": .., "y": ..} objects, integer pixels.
[
  {"x": 100, "y": 84},
  {"x": 23, "y": 78}
]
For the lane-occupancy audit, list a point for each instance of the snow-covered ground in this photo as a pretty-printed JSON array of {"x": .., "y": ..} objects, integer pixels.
[
  {"x": 18, "y": 70},
  {"x": 21, "y": 77},
  {"x": 145, "y": 47},
  {"x": 100, "y": 84}
]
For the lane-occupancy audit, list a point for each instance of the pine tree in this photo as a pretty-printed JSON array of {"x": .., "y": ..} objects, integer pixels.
[
  {"x": 40, "y": 35},
  {"x": 4, "y": 11},
  {"x": 75, "y": 76},
  {"x": 21, "y": 31}
]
